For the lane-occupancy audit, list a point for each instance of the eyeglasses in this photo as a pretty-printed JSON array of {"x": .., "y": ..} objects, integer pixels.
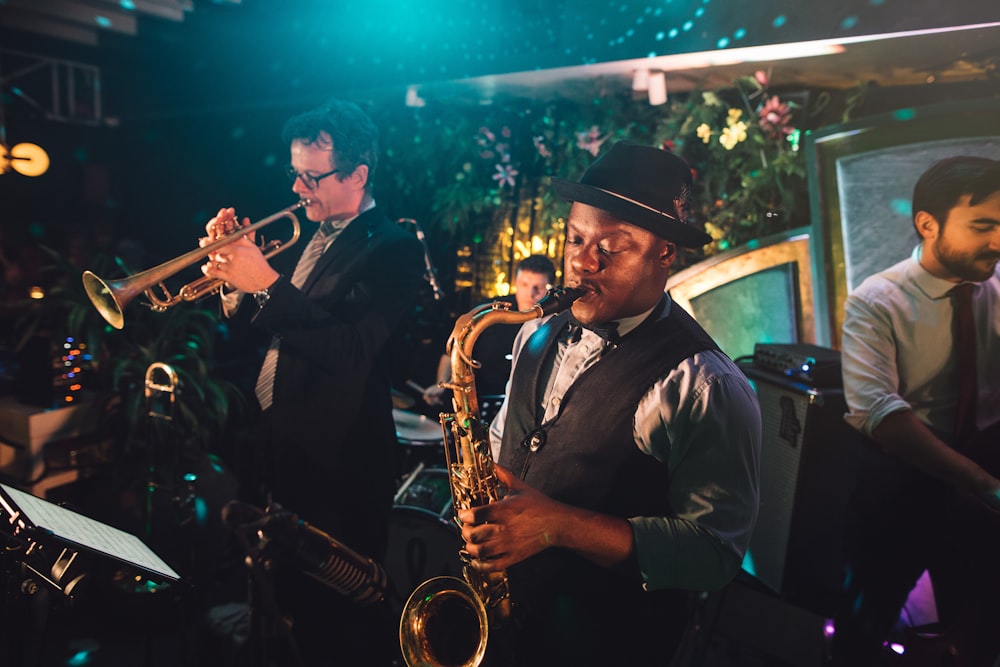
[{"x": 308, "y": 180}]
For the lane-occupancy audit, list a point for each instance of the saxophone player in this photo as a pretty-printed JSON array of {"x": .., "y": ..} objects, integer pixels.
[{"x": 628, "y": 442}]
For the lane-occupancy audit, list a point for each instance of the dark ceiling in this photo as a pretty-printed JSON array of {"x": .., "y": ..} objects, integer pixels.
[
  {"x": 174, "y": 107},
  {"x": 165, "y": 57}
]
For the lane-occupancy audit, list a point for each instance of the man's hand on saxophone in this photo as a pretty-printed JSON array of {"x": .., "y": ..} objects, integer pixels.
[{"x": 526, "y": 522}]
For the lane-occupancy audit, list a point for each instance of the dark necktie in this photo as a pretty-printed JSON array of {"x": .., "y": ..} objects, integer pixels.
[
  {"x": 265, "y": 381},
  {"x": 965, "y": 353}
]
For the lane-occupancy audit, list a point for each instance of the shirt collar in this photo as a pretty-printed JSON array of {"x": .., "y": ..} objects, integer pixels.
[
  {"x": 627, "y": 324},
  {"x": 932, "y": 286},
  {"x": 329, "y": 227}
]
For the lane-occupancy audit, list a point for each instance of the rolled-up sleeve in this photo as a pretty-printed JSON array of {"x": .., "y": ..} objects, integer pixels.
[
  {"x": 868, "y": 358},
  {"x": 704, "y": 421}
]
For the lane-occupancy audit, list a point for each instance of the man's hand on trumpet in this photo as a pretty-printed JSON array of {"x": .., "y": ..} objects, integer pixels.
[
  {"x": 222, "y": 225},
  {"x": 241, "y": 264}
]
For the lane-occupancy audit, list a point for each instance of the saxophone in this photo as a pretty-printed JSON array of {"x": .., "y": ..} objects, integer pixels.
[{"x": 446, "y": 620}]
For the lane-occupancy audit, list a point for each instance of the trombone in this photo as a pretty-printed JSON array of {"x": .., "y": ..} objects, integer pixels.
[{"x": 110, "y": 297}]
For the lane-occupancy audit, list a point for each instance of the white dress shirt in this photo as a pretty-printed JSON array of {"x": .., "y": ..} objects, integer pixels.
[{"x": 897, "y": 350}]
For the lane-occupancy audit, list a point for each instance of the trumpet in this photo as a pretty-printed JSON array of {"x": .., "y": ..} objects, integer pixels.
[{"x": 112, "y": 296}]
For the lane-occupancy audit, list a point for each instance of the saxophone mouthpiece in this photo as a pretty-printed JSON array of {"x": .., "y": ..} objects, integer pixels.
[{"x": 559, "y": 299}]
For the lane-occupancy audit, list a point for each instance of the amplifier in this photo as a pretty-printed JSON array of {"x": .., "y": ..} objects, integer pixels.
[
  {"x": 814, "y": 365},
  {"x": 810, "y": 463}
]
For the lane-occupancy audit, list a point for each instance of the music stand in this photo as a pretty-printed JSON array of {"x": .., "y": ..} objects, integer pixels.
[
  {"x": 46, "y": 527},
  {"x": 57, "y": 551}
]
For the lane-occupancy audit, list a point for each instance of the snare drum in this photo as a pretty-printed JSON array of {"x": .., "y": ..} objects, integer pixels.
[{"x": 423, "y": 539}]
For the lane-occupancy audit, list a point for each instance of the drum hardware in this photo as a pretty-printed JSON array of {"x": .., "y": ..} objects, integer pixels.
[
  {"x": 426, "y": 489},
  {"x": 424, "y": 541}
]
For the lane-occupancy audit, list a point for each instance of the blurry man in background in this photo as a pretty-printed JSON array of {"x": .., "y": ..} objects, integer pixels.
[{"x": 532, "y": 278}]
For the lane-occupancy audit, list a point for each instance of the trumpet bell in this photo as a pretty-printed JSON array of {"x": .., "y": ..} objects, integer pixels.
[{"x": 105, "y": 299}]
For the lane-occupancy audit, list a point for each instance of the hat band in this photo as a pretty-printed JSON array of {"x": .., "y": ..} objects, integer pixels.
[{"x": 637, "y": 203}]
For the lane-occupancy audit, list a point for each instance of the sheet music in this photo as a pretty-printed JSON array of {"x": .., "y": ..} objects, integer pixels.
[{"x": 74, "y": 527}]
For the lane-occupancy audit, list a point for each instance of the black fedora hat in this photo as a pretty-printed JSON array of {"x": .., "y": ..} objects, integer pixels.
[{"x": 642, "y": 185}]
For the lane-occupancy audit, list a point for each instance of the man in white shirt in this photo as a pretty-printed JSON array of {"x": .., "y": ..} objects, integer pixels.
[{"x": 937, "y": 496}]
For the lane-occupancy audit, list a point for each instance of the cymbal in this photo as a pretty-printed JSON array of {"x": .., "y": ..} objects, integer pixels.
[{"x": 412, "y": 427}]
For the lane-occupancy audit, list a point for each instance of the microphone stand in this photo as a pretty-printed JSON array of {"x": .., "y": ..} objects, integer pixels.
[
  {"x": 265, "y": 620},
  {"x": 430, "y": 273}
]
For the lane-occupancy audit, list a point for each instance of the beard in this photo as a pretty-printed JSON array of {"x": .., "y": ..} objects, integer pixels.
[{"x": 975, "y": 267}]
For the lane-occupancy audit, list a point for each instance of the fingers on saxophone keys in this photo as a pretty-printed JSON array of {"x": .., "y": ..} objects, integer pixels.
[{"x": 472, "y": 517}]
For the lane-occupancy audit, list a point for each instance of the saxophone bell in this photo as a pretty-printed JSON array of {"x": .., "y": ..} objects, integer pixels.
[{"x": 444, "y": 623}]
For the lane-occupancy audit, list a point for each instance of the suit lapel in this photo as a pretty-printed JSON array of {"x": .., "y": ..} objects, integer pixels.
[{"x": 345, "y": 252}]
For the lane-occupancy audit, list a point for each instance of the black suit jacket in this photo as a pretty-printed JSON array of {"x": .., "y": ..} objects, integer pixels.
[{"x": 331, "y": 454}]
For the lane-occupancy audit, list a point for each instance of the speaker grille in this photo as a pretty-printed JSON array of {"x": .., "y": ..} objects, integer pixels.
[
  {"x": 784, "y": 416},
  {"x": 809, "y": 465}
]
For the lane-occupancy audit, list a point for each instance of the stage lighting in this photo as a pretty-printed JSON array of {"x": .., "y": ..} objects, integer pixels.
[
  {"x": 24, "y": 158},
  {"x": 640, "y": 80},
  {"x": 413, "y": 98},
  {"x": 657, "y": 88}
]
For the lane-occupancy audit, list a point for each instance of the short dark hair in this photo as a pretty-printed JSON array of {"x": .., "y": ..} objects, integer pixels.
[
  {"x": 354, "y": 135},
  {"x": 537, "y": 264},
  {"x": 946, "y": 181}
]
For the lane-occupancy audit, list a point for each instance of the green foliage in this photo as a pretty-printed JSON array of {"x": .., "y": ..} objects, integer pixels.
[
  {"x": 182, "y": 337},
  {"x": 476, "y": 170},
  {"x": 742, "y": 143}
]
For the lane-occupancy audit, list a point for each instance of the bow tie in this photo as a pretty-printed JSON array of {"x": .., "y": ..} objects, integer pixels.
[{"x": 606, "y": 330}]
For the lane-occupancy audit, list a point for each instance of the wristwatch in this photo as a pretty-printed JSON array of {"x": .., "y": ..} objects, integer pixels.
[{"x": 263, "y": 295}]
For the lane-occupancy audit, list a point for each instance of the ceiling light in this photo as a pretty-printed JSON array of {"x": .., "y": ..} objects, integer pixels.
[
  {"x": 640, "y": 80},
  {"x": 657, "y": 88},
  {"x": 413, "y": 98}
]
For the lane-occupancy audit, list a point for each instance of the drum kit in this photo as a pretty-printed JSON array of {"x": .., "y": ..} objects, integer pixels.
[
  {"x": 424, "y": 540},
  {"x": 420, "y": 437}
]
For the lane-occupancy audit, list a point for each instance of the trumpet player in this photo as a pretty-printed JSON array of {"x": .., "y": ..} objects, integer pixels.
[
  {"x": 628, "y": 442},
  {"x": 326, "y": 438}
]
